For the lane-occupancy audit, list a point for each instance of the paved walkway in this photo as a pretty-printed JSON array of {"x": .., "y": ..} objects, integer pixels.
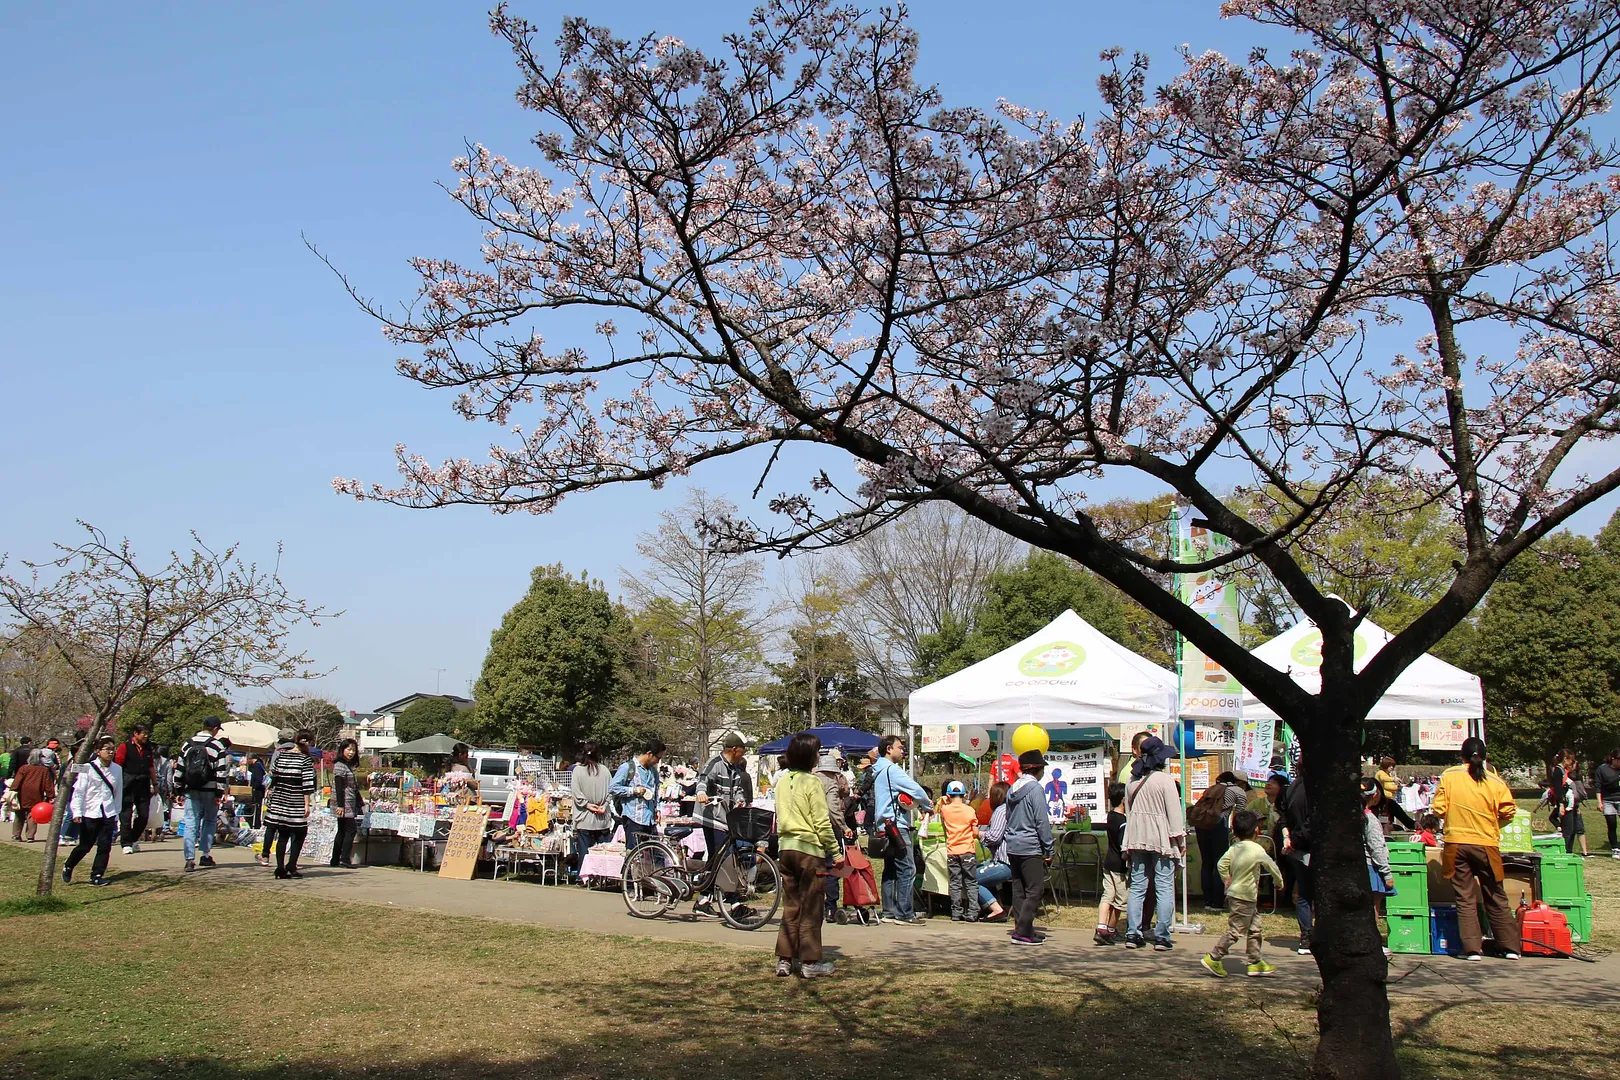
[{"x": 938, "y": 943}]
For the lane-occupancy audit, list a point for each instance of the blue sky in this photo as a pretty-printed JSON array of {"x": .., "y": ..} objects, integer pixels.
[{"x": 174, "y": 358}]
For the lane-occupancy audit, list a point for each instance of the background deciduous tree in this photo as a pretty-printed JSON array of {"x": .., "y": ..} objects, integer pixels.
[
  {"x": 1379, "y": 258},
  {"x": 908, "y": 580},
  {"x": 38, "y": 694},
  {"x": 203, "y": 617},
  {"x": 698, "y": 605},
  {"x": 304, "y": 711}
]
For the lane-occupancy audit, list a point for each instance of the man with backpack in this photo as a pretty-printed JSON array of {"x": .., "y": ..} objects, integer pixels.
[{"x": 201, "y": 775}]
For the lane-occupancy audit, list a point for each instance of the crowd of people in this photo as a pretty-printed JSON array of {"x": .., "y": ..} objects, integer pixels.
[{"x": 125, "y": 788}]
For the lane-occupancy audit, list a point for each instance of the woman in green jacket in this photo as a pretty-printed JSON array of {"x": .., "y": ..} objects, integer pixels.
[{"x": 805, "y": 839}]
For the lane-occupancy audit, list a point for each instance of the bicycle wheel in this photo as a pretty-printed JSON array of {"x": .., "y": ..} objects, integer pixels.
[
  {"x": 648, "y": 890},
  {"x": 759, "y": 891}
]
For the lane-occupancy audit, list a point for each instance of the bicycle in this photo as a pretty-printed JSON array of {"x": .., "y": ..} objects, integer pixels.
[{"x": 657, "y": 877}]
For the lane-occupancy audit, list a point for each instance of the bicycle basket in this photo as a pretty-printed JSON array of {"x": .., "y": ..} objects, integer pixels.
[{"x": 750, "y": 823}]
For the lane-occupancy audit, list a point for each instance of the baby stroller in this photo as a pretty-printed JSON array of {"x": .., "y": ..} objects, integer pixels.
[{"x": 861, "y": 898}]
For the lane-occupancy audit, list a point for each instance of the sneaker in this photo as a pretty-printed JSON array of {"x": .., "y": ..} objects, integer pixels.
[
  {"x": 129, "y": 849},
  {"x": 1510, "y": 956},
  {"x": 1473, "y": 958},
  {"x": 784, "y": 968},
  {"x": 705, "y": 909},
  {"x": 1388, "y": 952},
  {"x": 1614, "y": 853},
  {"x": 1133, "y": 941},
  {"x": 1103, "y": 937},
  {"x": 1215, "y": 967},
  {"x": 740, "y": 911},
  {"x": 99, "y": 881},
  {"x": 1162, "y": 944},
  {"x": 1304, "y": 946},
  {"x": 67, "y": 875},
  {"x": 816, "y": 971},
  {"x": 191, "y": 865},
  {"x": 1260, "y": 969},
  {"x": 263, "y": 861},
  {"x": 1019, "y": 939},
  {"x": 206, "y": 860}
]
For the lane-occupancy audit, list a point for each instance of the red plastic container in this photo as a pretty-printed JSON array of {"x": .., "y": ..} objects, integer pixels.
[{"x": 1545, "y": 931}]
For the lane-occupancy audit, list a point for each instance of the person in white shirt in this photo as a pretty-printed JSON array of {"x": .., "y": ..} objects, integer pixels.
[{"x": 97, "y": 797}]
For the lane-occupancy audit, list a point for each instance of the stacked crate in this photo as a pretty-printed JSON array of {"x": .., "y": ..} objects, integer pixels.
[
  {"x": 1408, "y": 910},
  {"x": 1563, "y": 887}
]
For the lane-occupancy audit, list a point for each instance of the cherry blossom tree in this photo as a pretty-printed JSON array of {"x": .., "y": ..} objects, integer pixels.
[
  {"x": 1378, "y": 263},
  {"x": 205, "y": 617}
]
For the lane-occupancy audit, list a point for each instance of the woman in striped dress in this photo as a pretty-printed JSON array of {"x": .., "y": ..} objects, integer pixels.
[{"x": 287, "y": 805}]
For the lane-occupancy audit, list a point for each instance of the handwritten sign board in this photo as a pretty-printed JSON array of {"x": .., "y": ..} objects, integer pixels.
[{"x": 466, "y": 840}]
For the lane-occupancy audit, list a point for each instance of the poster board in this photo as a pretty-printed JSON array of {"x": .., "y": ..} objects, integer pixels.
[
  {"x": 1198, "y": 777},
  {"x": 941, "y": 739},
  {"x": 1219, "y": 736},
  {"x": 1442, "y": 734},
  {"x": 466, "y": 840},
  {"x": 1077, "y": 778},
  {"x": 410, "y": 826},
  {"x": 318, "y": 844},
  {"x": 1252, "y": 758}
]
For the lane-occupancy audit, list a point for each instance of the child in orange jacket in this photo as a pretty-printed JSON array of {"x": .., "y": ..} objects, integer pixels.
[{"x": 961, "y": 851}]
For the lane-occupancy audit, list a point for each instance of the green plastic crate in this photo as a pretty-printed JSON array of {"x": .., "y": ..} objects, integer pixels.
[
  {"x": 1563, "y": 879},
  {"x": 1579, "y": 914},
  {"x": 1411, "y": 890},
  {"x": 1405, "y": 853},
  {"x": 1549, "y": 845},
  {"x": 1409, "y": 933}
]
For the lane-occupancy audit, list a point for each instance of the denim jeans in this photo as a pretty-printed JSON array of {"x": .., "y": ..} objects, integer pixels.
[
  {"x": 202, "y": 817},
  {"x": 900, "y": 879},
  {"x": 1304, "y": 891},
  {"x": 1163, "y": 870},
  {"x": 991, "y": 873},
  {"x": 635, "y": 833}
]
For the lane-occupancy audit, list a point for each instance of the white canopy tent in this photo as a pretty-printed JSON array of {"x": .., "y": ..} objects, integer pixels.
[
  {"x": 1068, "y": 674},
  {"x": 1429, "y": 690}
]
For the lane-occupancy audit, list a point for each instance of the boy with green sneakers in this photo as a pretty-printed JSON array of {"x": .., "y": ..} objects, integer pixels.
[{"x": 1240, "y": 869}]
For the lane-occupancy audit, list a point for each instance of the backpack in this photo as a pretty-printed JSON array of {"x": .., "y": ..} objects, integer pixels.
[
  {"x": 1206, "y": 812},
  {"x": 197, "y": 772},
  {"x": 863, "y": 788}
]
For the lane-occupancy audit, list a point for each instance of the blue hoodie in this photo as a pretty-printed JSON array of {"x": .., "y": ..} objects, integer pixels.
[{"x": 1029, "y": 830}]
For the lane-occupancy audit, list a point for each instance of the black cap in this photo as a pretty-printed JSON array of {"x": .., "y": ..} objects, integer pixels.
[
  {"x": 212, "y": 723},
  {"x": 1031, "y": 758}
]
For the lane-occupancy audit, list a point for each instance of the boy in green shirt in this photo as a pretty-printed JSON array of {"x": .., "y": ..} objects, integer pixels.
[{"x": 1240, "y": 869}]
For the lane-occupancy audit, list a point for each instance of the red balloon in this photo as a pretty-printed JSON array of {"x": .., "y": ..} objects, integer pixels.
[{"x": 41, "y": 812}]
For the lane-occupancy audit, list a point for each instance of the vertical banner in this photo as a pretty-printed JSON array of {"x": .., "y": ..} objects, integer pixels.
[
  {"x": 1253, "y": 756},
  {"x": 1208, "y": 691}
]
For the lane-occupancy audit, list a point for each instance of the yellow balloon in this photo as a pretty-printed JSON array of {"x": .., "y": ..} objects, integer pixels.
[{"x": 1031, "y": 737}]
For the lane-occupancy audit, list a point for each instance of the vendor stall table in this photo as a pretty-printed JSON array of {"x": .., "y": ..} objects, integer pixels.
[{"x": 513, "y": 858}]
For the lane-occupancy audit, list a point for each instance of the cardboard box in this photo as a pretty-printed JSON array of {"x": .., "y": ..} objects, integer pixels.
[
  {"x": 1520, "y": 886},
  {"x": 1440, "y": 891}
]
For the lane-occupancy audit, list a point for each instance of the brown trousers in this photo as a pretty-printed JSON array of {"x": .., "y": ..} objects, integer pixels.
[
  {"x": 802, "y": 907},
  {"x": 1475, "y": 878}
]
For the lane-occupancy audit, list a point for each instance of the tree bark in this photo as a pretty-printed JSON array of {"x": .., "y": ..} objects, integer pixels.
[
  {"x": 1355, "y": 1041},
  {"x": 64, "y": 792}
]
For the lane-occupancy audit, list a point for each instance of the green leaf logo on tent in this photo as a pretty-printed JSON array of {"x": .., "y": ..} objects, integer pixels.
[
  {"x": 1052, "y": 660},
  {"x": 1307, "y": 651}
]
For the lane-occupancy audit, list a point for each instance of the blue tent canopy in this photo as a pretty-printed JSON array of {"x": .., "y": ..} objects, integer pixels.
[{"x": 843, "y": 738}]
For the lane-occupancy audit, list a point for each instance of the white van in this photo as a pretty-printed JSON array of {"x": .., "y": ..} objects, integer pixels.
[{"x": 496, "y": 770}]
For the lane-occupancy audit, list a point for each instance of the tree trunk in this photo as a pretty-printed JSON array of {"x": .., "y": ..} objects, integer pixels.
[
  {"x": 64, "y": 792},
  {"x": 1353, "y": 1011}
]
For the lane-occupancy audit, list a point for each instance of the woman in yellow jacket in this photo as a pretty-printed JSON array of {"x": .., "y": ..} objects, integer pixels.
[
  {"x": 1476, "y": 804},
  {"x": 805, "y": 839}
]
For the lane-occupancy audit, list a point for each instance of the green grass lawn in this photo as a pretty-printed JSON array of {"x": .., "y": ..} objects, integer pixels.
[{"x": 169, "y": 977}]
